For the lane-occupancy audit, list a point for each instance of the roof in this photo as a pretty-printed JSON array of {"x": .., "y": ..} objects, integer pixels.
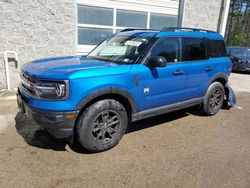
[
  {"x": 188, "y": 32},
  {"x": 213, "y": 36}
]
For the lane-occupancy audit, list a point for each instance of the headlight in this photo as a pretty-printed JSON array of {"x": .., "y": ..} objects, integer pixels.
[
  {"x": 50, "y": 90},
  {"x": 44, "y": 89}
]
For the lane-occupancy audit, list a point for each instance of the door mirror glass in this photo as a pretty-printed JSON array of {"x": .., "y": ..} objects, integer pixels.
[{"x": 157, "y": 61}]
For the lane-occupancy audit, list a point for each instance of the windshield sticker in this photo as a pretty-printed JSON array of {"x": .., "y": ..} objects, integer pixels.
[
  {"x": 133, "y": 43},
  {"x": 113, "y": 50}
]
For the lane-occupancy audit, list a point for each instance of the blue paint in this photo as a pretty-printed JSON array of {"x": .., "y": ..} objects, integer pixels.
[{"x": 87, "y": 75}]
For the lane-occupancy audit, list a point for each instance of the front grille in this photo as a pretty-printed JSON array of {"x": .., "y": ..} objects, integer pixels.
[
  {"x": 27, "y": 84},
  {"x": 248, "y": 65},
  {"x": 28, "y": 78},
  {"x": 24, "y": 98}
]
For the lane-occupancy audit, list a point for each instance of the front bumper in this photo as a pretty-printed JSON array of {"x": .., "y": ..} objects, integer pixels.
[
  {"x": 246, "y": 70},
  {"x": 241, "y": 67},
  {"x": 59, "y": 124}
]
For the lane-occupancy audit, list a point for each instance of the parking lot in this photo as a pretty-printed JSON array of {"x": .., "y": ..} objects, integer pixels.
[{"x": 180, "y": 149}]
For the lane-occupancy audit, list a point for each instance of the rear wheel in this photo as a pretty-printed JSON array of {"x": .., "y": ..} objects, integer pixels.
[
  {"x": 213, "y": 99},
  {"x": 102, "y": 125}
]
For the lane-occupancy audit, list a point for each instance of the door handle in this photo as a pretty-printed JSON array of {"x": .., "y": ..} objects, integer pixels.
[
  {"x": 178, "y": 72},
  {"x": 209, "y": 69}
]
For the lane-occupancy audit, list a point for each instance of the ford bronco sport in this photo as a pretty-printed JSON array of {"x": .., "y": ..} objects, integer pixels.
[{"x": 133, "y": 75}]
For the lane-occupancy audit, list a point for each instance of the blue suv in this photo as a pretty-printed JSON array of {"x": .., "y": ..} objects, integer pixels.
[{"x": 133, "y": 75}]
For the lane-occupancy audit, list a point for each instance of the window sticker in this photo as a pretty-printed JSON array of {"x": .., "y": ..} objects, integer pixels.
[
  {"x": 133, "y": 43},
  {"x": 113, "y": 50}
]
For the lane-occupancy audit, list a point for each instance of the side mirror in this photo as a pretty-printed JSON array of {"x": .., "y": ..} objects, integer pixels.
[{"x": 157, "y": 61}]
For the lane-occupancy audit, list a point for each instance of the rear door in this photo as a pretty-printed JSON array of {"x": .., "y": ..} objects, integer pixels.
[
  {"x": 195, "y": 57},
  {"x": 217, "y": 58}
]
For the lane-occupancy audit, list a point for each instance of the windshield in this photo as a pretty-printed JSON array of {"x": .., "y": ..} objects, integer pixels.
[
  {"x": 120, "y": 49},
  {"x": 240, "y": 51}
]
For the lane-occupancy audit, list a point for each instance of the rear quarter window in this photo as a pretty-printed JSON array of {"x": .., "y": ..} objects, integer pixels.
[
  {"x": 216, "y": 48},
  {"x": 193, "y": 49}
]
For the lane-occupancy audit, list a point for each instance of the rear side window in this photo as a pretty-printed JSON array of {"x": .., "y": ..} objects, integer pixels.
[
  {"x": 194, "y": 49},
  {"x": 216, "y": 48}
]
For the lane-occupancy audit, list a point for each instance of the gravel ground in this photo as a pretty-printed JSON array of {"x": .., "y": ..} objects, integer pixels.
[{"x": 180, "y": 149}]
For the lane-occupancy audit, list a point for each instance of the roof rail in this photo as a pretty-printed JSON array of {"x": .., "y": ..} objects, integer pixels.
[
  {"x": 186, "y": 29},
  {"x": 133, "y": 29}
]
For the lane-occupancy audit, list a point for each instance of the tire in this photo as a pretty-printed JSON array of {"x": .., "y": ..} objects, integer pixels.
[
  {"x": 101, "y": 126},
  {"x": 213, "y": 99}
]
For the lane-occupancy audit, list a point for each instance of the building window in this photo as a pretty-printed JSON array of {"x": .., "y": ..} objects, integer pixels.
[
  {"x": 95, "y": 15},
  {"x": 92, "y": 36},
  {"x": 97, "y": 23},
  {"x": 158, "y": 21},
  {"x": 131, "y": 19}
]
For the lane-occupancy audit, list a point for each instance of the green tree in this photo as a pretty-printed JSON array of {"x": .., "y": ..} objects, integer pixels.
[
  {"x": 238, "y": 25},
  {"x": 240, "y": 39}
]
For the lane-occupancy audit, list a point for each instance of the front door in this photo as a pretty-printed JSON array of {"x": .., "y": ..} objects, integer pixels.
[{"x": 161, "y": 86}]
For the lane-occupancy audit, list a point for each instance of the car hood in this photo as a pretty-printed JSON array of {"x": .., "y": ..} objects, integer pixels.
[
  {"x": 242, "y": 57},
  {"x": 72, "y": 67}
]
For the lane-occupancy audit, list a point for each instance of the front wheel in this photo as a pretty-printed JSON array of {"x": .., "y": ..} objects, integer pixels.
[
  {"x": 213, "y": 99},
  {"x": 102, "y": 125}
]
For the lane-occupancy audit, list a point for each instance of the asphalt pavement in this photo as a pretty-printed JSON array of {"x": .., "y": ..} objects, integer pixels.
[{"x": 180, "y": 149}]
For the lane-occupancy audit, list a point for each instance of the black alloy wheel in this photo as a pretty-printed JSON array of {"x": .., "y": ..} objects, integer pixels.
[
  {"x": 106, "y": 126},
  {"x": 213, "y": 99},
  {"x": 102, "y": 125}
]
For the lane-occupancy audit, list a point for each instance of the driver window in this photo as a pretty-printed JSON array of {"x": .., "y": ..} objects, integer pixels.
[{"x": 168, "y": 48}]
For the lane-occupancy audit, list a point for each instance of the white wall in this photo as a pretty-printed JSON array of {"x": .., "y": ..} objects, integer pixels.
[{"x": 159, "y": 6}]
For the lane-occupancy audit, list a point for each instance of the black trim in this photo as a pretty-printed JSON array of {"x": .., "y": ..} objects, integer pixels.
[
  {"x": 218, "y": 76},
  {"x": 165, "y": 109},
  {"x": 105, "y": 91},
  {"x": 139, "y": 29},
  {"x": 173, "y": 29},
  {"x": 55, "y": 122}
]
